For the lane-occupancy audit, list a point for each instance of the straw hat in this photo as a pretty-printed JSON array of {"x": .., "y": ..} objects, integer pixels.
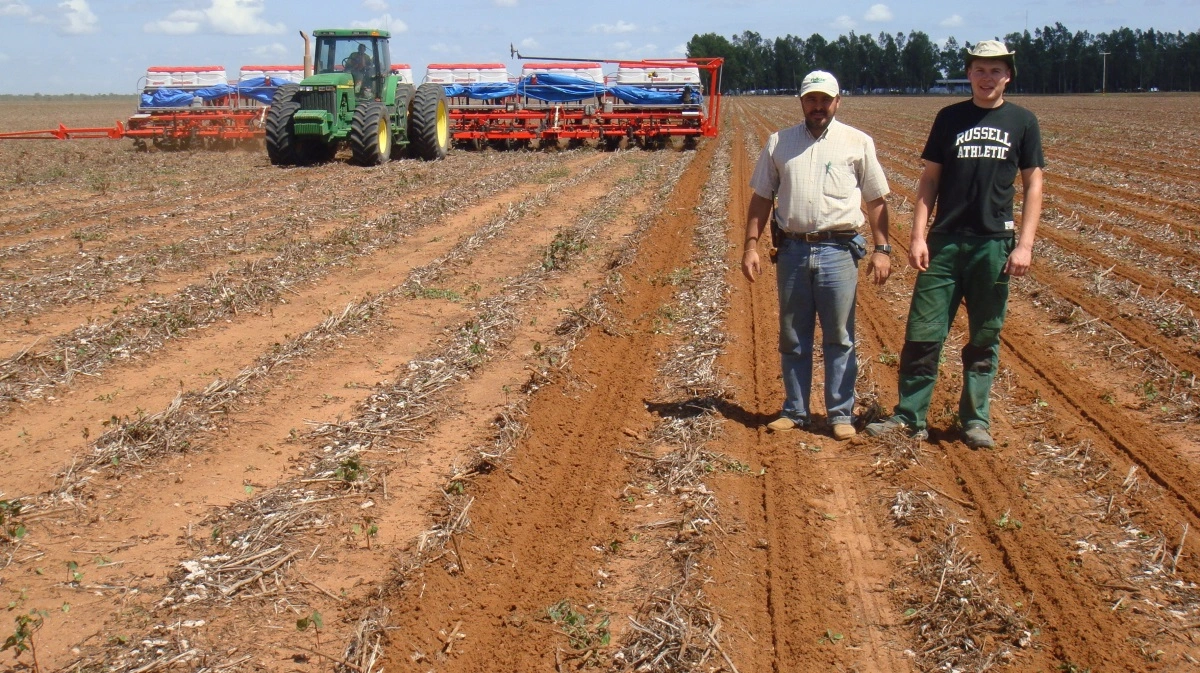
[{"x": 993, "y": 49}]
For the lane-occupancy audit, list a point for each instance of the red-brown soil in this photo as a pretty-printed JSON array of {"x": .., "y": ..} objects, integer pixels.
[{"x": 507, "y": 412}]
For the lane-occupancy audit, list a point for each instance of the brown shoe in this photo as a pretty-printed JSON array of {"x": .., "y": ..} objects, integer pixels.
[
  {"x": 843, "y": 431},
  {"x": 784, "y": 423}
]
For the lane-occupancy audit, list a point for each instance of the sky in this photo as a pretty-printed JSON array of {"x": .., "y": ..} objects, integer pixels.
[{"x": 105, "y": 46}]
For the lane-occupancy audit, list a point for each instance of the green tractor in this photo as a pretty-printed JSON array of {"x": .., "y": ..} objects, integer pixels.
[{"x": 349, "y": 94}]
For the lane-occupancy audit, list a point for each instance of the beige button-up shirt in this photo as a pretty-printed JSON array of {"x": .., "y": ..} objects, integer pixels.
[{"x": 820, "y": 182}]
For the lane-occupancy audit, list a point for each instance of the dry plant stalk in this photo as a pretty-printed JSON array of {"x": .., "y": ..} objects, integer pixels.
[
  {"x": 675, "y": 630},
  {"x": 963, "y": 625}
]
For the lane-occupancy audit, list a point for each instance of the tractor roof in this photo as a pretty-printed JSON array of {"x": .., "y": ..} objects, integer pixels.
[{"x": 350, "y": 32}]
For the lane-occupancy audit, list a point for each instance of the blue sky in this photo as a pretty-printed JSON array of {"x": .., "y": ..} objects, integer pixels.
[{"x": 105, "y": 46}]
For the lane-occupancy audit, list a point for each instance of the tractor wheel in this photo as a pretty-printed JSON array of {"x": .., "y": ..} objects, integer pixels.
[
  {"x": 281, "y": 136},
  {"x": 404, "y": 96},
  {"x": 285, "y": 93},
  {"x": 429, "y": 123},
  {"x": 371, "y": 134}
]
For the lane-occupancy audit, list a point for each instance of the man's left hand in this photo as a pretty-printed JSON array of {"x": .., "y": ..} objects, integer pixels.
[{"x": 880, "y": 267}]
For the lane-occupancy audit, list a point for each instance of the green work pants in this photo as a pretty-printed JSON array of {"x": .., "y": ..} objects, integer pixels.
[{"x": 961, "y": 268}]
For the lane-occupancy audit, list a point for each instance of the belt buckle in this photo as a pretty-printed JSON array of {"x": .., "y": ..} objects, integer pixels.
[{"x": 811, "y": 236}]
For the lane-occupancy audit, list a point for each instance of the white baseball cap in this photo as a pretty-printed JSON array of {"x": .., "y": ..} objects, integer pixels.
[{"x": 819, "y": 80}]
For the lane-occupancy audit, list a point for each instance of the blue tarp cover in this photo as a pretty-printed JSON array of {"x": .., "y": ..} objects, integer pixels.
[
  {"x": 644, "y": 96},
  {"x": 258, "y": 88},
  {"x": 167, "y": 98},
  {"x": 486, "y": 91},
  {"x": 566, "y": 88},
  {"x": 558, "y": 88}
]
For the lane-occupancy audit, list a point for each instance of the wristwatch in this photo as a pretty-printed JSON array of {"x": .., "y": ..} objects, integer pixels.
[{"x": 885, "y": 249}]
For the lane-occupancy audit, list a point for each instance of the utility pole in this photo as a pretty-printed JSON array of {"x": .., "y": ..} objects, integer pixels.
[{"x": 1104, "y": 71}]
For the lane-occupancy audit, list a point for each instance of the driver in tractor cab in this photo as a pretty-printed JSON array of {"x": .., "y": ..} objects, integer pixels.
[{"x": 358, "y": 64}]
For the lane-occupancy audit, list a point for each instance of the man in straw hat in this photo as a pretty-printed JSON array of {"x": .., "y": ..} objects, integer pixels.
[
  {"x": 974, "y": 152},
  {"x": 817, "y": 176}
]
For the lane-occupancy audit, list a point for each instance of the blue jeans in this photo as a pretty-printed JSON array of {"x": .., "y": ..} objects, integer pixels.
[{"x": 817, "y": 280}]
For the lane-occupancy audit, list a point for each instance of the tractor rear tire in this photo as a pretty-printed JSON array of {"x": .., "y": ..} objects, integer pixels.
[
  {"x": 404, "y": 96},
  {"x": 280, "y": 133},
  {"x": 429, "y": 123},
  {"x": 371, "y": 134}
]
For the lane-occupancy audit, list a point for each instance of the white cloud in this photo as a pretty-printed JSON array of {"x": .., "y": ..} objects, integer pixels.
[
  {"x": 240, "y": 17},
  {"x": 505, "y": 3},
  {"x": 611, "y": 28},
  {"x": 4, "y": 57},
  {"x": 375, "y": 5},
  {"x": 680, "y": 49},
  {"x": 385, "y": 21},
  {"x": 622, "y": 46},
  {"x": 844, "y": 22},
  {"x": 878, "y": 14},
  {"x": 80, "y": 18},
  {"x": 529, "y": 43},
  {"x": 227, "y": 17},
  {"x": 9, "y": 8},
  {"x": 179, "y": 22},
  {"x": 953, "y": 21},
  {"x": 271, "y": 50}
]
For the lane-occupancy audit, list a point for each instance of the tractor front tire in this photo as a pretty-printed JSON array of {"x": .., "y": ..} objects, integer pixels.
[
  {"x": 371, "y": 134},
  {"x": 285, "y": 93},
  {"x": 429, "y": 123},
  {"x": 280, "y": 133}
]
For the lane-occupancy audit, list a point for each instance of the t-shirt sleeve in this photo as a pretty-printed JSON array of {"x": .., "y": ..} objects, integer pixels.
[
  {"x": 1031, "y": 146},
  {"x": 933, "y": 145},
  {"x": 873, "y": 180},
  {"x": 765, "y": 180}
]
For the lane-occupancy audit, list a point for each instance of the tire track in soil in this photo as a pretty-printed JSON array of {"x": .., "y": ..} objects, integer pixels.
[
  {"x": 533, "y": 532},
  {"x": 393, "y": 347},
  {"x": 826, "y": 565}
]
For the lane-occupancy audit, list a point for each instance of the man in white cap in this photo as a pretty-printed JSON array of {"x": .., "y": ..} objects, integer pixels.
[
  {"x": 817, "y": 175},
  {"x": 974, "y": 152}
]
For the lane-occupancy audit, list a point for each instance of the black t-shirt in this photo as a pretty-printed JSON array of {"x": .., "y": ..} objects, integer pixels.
[{"x": 981, "y": 151}]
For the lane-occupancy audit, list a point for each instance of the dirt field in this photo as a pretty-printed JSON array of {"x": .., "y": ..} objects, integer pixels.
[{"x": 506, "y": 412}]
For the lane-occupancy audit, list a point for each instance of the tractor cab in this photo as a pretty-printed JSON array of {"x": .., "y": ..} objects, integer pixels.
[{"x": 363, "y": 54}]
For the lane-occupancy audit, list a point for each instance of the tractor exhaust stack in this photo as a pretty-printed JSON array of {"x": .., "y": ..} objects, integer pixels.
[{"x": 308, "y": 64}]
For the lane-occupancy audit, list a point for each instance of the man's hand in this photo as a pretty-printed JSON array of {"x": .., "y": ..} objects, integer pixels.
[
  {"x": 880, "y": 267},
  {"x": 1018, "y": 261},
  {"x": 750, "y": 264},
  {"x": 918, "y": 254}
]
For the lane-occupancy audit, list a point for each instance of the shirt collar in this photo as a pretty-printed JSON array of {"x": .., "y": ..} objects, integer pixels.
[{"x": 823, "y": 133}]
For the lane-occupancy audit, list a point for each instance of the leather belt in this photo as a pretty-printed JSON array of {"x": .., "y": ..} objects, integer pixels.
[{"x": 815, "y": 236}]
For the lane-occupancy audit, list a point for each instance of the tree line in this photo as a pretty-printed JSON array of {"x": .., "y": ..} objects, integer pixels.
[{"x": 1050, "y": 60}]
